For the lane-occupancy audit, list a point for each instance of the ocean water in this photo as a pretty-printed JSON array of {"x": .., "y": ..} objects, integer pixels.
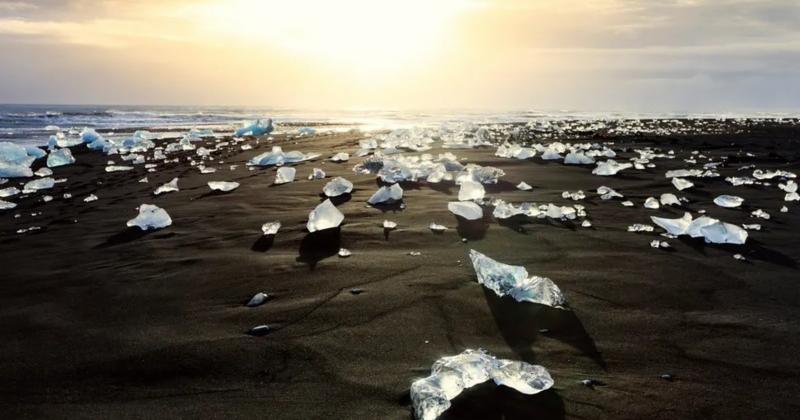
[{"x": 33, "y": 124}]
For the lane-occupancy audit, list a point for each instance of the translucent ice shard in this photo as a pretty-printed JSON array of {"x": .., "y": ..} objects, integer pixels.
[
  {"x": 285, "y": 175},
  {"x": 337, "y": 186},
  {"x": 471, "y": 190},
  {"x": 711, "y": 229},
  {"x": 524, "y": 186},
  {"x": 224, "y": 186},
  {"x": 435, "y": 227},
  {"x": 387, "y": 194},
  {"x": 724, "y": 233},
  {"x": 669, "y": 199},
  {"x": 118, "y": 168},
  {"x": 42, "y": 172},
  {"x": 761, "y": 214},
  {"x": 674, "y": 226},
  {"x": 515, "y": 151},
  {"x": 150, "y": 217},
  {"x": 340, "y": 157},
  {"x": 9, "y": 191},
  {"x": 728, "y": 201},
  {"x": 514, "y": 281},
  {"x": 344, "y": 253},
  {"x": 324, "y": 216},
  {"x": 7, "y": 205},
  {"x": 278, "y": 157},
  {"x": 60, "y": 157},
  {"x": 651, "y": 203},
  {"x": 682, "y": 184},
  {"x": 451, "y": 375},
  {"x": 171, "y": 186},
  {"x": 316, "y": 173},
  {"x": 578, "y": 158},
  {"x": 610, "y": 167},
  {"x": 607, "y": 193},
  {"x": 258, "y": 299},
  {"x": 465, "y": 209},
  {"x": 388, "y": 224},
  {"x": 255, "y": 128},
  {"x": 270, "y": 228},
  {"x": 89, "y": 198},
  {"x": 38, "y": 184}
]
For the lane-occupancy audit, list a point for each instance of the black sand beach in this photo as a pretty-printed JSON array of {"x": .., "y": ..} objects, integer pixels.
[{"x": 102, "y": 321}]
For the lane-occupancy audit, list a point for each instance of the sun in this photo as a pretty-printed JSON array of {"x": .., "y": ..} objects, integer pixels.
[{"x": 367, "y": 34}]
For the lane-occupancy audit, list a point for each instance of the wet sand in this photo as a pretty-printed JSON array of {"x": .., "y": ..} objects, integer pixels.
[{"x": 101, "y": 321}]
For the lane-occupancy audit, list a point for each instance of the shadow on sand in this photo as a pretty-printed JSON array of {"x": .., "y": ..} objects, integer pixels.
[
  {"x": 473, "y": 229},
  {"x": 319, "y": 245},
  {"x": 263, "y": 243},
  {"x": 489, "y": 401},
  {"x": 128, "y": 235},
  {"x": 520, "y": 323}
]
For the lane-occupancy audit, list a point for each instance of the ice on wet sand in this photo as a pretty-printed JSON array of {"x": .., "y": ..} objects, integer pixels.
[
  {"x": 466, "y": 209},
  {"x": 60, "y": 157},
  {"x": 285, "y": 175},
  {"x": 337, "y": 186},
  {"x": 150, "y": 217},
  {"x": 324, "y": 216},
  {"x": 224, "y": 186},
  {"x": 728, "y": 201},
  {"x": 514, "y": 281},
  {"x": 450, "y": 376},
  {"x": 386, "y": 194},
  {"x": 270, "y": 228}
]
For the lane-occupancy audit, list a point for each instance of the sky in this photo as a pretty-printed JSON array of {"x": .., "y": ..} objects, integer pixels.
[{"x": 591, "y": 55}]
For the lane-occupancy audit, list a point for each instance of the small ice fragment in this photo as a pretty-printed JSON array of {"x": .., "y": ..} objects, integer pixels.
[
  {"x": 728, "y": 201},
  {"x": 524, "y": 186},
  {"x": 255, "y": 128},
  {"x": 43, "y": 171},
  {"x": 260, "y": 330},
  {"x": 437, "y": 228},
  {"x": 511, "y": 280},
  {"x": 682, "y": 184},
  {"x": 284, "y": 175},
  {"x": 415, "y": 253},
  {"x": 7, "y": 205},
  {"x": 607, "y": 193},
  {"x": 324, "y": 216},
  {"x": 638, "y": 227},
  {"x": 89, "y": 198},
  {"x": 784, "y": 209},
  {"x": 674, "y": 226},
  {"x": 610, "y": 167},
  {"x": 337, "y": 186},
  {"x": 659, "y": 244},
  {"x": 651, "y": 203},
  {"x": 258, "y": 299},
  {"x": 118, "y": 168},
  {"x": 724, "y": 233},
  {"x": 387, "y": 194},
  {"x": 627, "y": 203},
  {"x": 471, "y": 190},
  {"x": 168, "y": 187},
  {"x": 586, "y": 224},
  {"x": 760, "y": 214},
  {"x": 669, "y": 199},
  {"x": 270, "y": 228},
  {"x": 150, "y": 217},
  {"x": 388, "y": 224},
  {"x": 344, "y": 253},
  {"x": 466, "y": 209},
  {"x": 38, "y": 184},
  {"x": 144, "y": 180},
  {"x": 316, "y": 173},
  {"x": 574, "y": 196},
  {"x": 739, "y": 257},
  {"x": 224, "y": 186},
  {"x": 47, "y": 198},
  {"x": 9, "y": 192},
  {"x": 340, "y": 157},
  {"x": 60, "y": 157}
]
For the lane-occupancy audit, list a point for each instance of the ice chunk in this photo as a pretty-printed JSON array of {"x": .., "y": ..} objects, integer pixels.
[
  {"x": 638, "y": 227},
  {"x": 524, "y": 186},
  {"x": 344, "y": 253},
  {"x": 224, "y": 186},
  {"x": 337, "y": 186},
  {"x": 10, "y": 170},
  {"x": 607, "y": 193},
  {"x": 7, "y": 205},
  {"x": 627, "y": 203},
  {"x": 387, "y": 194},
  {"x": 724, "y": 233},
  {"x": 285, "y": 175},
  {"x": 118, "y": 168},
  {"x": 60, "y": 157},
  {"x": 651, "y": 203},
  {"x": 388, "y": 224},
  {"x": 340, "y": 157},
  {"x": 728, "y": 201},
  {"x": 278, "y": 157},
  {"x": 89, "y": 198},
  {"x": 610, "y": 167},
  {"x": 316, "y": 173},
  {"x": 42, "y": 172},
  {"x": 15, "y": 161},
  {"x": 578, "y": 158},
  {"x": 171, "y": 186},
  {"x": 674, "y": 226},
  {"x": 574, "y": 196},
  {"x": 466, "y": 209},
  {"x": 88, "y": 135},
  {"x": 451, "y": 375},
  {"x": 150, "y": 217},
  {"x": 270, "y": 228},
  {"x": 38, "y": 184},
  {"x": 755, "y": 213},
  {"x": 791, "y": 196},
  {"x": 437, "y": 228},
  {"x": 669, "y": 199},
  {"x": 9, "y": 192},
  {"x": 789, "y": 187},
  {"x": 255, "y": 128},
  {"x": 515, "y": 151},
  {"x": 682, "y": 184},
  {"x": 324, "y": 216},
  {"x": 514, "y": 281},
  {"x": 471, "y": 190}
]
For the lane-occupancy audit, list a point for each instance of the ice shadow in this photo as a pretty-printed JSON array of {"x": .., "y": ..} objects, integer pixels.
[
  {"x": 501, "y": 186},
  {"x": 753, "y": 250},
  {"x": 520, "y": 324},
  {"x": 473, "y": 229},
  {"x": 212, "y": 193},
  {"x": 393, "y": 207},
  {"x": 319, "y": 245},
  {"x": 263, "y": 243},
  {"x": 127, "y": 235},
  {"x": 487, "y": 401},
  {"x": 339, "y": 199}
]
